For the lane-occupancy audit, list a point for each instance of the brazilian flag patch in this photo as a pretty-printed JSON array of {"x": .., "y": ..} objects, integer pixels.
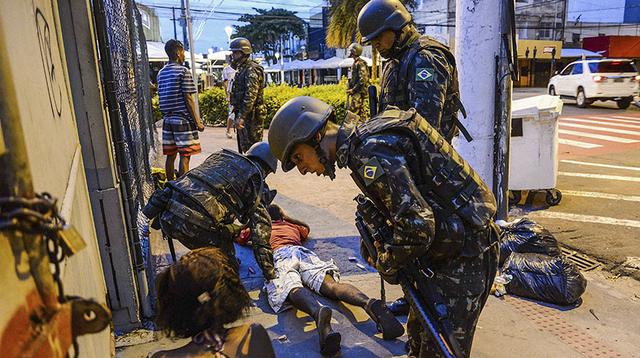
[
  {"x": 370, "y": 171},
  {"x": 424, "y": 74}
]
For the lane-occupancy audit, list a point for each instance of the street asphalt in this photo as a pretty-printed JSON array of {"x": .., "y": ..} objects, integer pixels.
[{"x": 597, "y": 216}]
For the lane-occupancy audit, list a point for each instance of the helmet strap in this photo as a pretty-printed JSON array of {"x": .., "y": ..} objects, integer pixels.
[{"x": 329, "y": 168}]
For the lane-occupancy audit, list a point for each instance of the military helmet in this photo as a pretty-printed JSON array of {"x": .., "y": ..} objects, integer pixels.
[
  {"x": 297, "y": 121},
  {"x": 241, "y": 44},
  {"x": 354, "y": 49},
  {"x": 262, "y": 152},
  {"x": 380, "y": 15}
]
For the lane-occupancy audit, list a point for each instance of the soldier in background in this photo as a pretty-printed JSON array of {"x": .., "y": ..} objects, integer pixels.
[
  {"x": 246, "y": 94},
  {"x": 439, "y": 210},
  {"x": 358, "y": 81},
  {"x": 199, "y": 209},
  {"x": 419, "y": 73}
]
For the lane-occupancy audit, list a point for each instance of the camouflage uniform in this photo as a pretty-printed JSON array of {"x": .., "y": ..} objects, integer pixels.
[
  {"x": 442, "y": 214},
  {"x": 357, "y": 87},
  {"x": 423, "y": 75},
  {"x": 248, "y": 103},
  {"x": 199, "y": 208}
]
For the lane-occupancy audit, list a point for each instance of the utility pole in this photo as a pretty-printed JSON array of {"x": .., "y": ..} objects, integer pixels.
[
  {"x": 175, "y": 28},
  {"x": 485, "y": 51},
  {"x": 193, "y": 56},
  {"x": 183, "y": 22}
]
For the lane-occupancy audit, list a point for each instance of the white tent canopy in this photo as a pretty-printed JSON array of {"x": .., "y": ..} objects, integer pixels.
[
  {"x": 330, "y": 63},
  {"x": 578, "y": 52},
  {"x": 155, "y": 52}
]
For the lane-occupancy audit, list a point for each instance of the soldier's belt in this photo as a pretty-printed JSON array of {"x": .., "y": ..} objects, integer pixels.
[{"x": 192, "y": 216}]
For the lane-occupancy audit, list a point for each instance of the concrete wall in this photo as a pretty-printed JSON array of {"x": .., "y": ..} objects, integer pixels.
[{"x": 30, "y": 32}]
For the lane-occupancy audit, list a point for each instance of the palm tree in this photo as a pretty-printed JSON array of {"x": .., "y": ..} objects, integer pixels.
[{"x": 343, "y": 25}]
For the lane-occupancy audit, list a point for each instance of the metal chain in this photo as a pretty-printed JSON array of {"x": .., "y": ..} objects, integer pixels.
[{"x": 38, "y": 215}]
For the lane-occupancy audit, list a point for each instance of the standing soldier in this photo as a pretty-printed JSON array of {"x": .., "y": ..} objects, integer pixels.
[
  {"x": 439, "y": 210},
  {"x": 420, "y": 72},
  {"x": 246, "y": 94},
  {"x": 200, "y": 208},
  {"x": 358, "y": 81}
]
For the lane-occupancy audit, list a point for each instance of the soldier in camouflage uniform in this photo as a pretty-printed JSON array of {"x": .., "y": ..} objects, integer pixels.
[
  {"x": 440, "y": 210},
  {"x": 246, "y": 94},
  {"x": 419, "y": 73},
  {"x": 200, "y": 208},
  {"x": 358, "y": 81}
]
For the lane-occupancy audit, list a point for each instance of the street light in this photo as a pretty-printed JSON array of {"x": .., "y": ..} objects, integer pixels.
[
  {"x": 210, "y": 52},
  {"x": 277, "y": 54},
  {"x": 229, "y": 30}
]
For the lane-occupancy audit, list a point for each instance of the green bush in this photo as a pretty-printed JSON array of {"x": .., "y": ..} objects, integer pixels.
[{"x": 213, "y": 105}]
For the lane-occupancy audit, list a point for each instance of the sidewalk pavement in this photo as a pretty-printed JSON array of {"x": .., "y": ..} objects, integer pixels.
[{"x": 605, "y": 324}]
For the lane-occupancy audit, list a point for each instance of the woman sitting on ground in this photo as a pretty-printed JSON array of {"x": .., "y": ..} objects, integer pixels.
[{"x": 197, "y": 298}]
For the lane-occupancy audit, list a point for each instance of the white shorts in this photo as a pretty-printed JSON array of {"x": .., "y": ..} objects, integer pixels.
[{"x": 297, "y": 266}]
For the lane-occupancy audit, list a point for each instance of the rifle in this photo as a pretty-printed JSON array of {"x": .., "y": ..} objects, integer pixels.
[
  {"x": 433, "y": 318},
  {"x": 373, "y": 100}
]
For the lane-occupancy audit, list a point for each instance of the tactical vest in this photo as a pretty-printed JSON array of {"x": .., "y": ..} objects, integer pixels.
[
  {"x": 225, "y": 179},
  {"x": 240, "y": 85},
  {"x": 450, "y": 125},
  {"x": 444, "y": 176}
]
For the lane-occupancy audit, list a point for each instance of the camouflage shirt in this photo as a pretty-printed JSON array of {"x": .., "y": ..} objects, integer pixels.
[
  {"x": 359, "y": 80},
  {"x": 423, "y": 76},
  {"x": 247, "y": 93},
  {"x": 389, "y": 170}
]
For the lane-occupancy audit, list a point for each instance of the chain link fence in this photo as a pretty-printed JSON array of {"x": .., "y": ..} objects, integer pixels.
[{"x": 125, "y": 70}]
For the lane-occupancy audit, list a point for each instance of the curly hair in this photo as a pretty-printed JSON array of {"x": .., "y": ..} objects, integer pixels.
[
  {"x": 275, "y": 212},
  {"x": 202, "y": 291}
]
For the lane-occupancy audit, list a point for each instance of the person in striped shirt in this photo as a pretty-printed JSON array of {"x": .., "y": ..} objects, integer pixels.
[{"x": 180, "y": 123}]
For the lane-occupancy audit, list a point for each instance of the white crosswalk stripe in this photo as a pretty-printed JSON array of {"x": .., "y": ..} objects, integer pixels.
[
  {"x": 598, "y": 136},
  {"x": 600, "y": 176},
  {"x": 575, "y": 143},
  {"x": 584, "y": 218},
  {"x": 612, "y": 120},
  {"x": 601, "y": 129},
  {"x": 616, "y": 124},
  {"x": 584, "y": 127},
  {"x": 637, "y": 119},
  {"x": 601, "y": 165}
]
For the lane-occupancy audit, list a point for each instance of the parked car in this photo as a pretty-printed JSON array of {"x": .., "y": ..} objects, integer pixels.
[{"x": 587, "y": 81}]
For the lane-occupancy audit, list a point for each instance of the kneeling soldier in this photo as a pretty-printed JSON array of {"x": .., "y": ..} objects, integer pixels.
[{"x": 200, "y": 208}]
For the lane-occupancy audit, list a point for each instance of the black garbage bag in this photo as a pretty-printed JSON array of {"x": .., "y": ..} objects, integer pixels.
[
  {"x": 540, "y": 277},
  {"x": 526, "y": 236}
]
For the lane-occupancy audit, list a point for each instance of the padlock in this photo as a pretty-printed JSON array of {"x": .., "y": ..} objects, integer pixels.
[{"x": 71, "y": 240}]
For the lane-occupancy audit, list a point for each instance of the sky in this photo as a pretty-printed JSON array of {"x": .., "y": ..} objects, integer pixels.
[{"x": 221, "y": 13}]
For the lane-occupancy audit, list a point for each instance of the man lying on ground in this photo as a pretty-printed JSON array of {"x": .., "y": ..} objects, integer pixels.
[{"x": 300, "y": 271}]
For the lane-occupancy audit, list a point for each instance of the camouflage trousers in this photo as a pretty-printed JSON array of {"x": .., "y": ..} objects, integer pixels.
[
  {"x": 193, "y": 236},
  {"x": 249, "y": 135},
  {"x": 464, "y": 284},
  {"x": 355, "y": 104}
]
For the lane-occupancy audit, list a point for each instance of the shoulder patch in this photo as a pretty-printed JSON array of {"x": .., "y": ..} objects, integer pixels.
[
  {"x": 424, "y": 74},
  {"x": 370, "y": 171}
]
